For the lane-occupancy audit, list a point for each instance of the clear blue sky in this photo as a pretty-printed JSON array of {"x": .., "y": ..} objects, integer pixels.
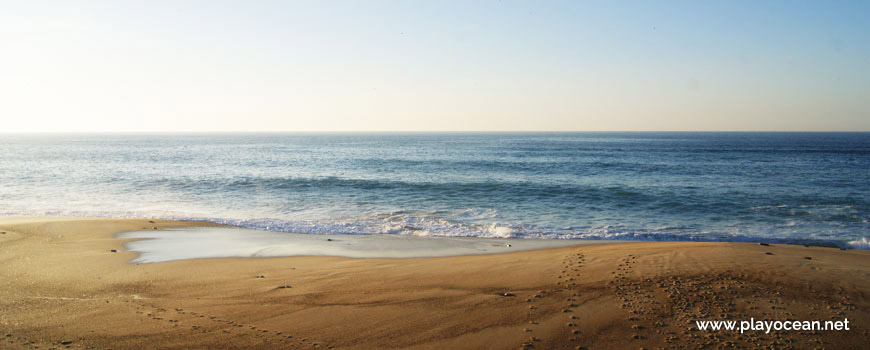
[{"x": 434, "y": 65}]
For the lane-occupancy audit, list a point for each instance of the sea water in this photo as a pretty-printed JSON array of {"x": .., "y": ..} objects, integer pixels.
[
  {"x": 220, "y": 242},
  {"x": 772, "y": 187}
]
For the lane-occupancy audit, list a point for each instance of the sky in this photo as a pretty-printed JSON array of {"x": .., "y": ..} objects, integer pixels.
[{"x": 181, "y": 66}]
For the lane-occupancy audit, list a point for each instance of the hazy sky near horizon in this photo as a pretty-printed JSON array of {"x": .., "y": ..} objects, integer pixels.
[{"x": 434, "y": 65}]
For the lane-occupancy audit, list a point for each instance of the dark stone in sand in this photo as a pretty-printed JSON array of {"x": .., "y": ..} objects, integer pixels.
[
  {"x": 808, "y": 257},
  {"x": 284, "y": 287},
  {"x": 65, "y": 342},
  {"x": 329, "y": 239},
  {"x": 261, "y": 276},
  {"x": 114, "y": 250},
  {"x": 764, "y": 244},
  {"x": 768, "y": 253},
  {"x": 507, "y": 294},
  {"x": 151, "y": 221}
]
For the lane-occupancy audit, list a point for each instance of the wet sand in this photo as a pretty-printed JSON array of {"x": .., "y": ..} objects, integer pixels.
[
  {"x": 63, "y": 287},
  {"x": 231, "y": 242}
]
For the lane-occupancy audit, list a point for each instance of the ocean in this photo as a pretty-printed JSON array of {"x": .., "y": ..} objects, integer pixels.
[{"x": 810, "y": 188}]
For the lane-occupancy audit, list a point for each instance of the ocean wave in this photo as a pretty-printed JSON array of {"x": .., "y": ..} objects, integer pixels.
[{"x": 863, "y": 243}]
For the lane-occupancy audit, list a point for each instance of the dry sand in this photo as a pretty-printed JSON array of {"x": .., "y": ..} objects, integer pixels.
[{"x": 62, "y": 287}]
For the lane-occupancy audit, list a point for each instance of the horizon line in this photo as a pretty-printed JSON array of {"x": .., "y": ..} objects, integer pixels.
[{"x": 424, "y": 131}]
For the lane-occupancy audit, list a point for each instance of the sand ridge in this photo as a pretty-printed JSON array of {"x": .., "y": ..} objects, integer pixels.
[{"x": 64, "y": 288}]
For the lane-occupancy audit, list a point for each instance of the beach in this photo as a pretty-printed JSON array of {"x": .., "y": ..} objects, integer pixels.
[
  {"x": 65, "y": 287},
  {"x": 435, "y": 175}
]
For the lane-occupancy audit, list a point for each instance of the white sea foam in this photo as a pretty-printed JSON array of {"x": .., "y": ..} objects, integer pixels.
[
  {"x": 501, "y": 231},
  {"x": 863, "y": 243}
]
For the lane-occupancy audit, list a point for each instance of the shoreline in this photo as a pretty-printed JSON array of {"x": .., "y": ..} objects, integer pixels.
[
  {"x": 65, "y": 285},
  {"x": 188, "y": 243}
]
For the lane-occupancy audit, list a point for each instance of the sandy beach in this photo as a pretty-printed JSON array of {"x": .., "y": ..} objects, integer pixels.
[{"x": 64, "y": 287}]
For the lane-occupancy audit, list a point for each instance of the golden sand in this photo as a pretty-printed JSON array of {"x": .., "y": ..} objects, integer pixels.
[{"x": 61, "y": 286}]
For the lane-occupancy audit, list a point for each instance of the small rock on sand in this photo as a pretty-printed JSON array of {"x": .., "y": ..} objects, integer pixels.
[
  {"x": 114, "y": 250},
  {"x": 284, "y": 287},
  {"x": 808, "y": 257},
  {"x": 507, "y": 294},
  {"x": 764, "y": 244}
]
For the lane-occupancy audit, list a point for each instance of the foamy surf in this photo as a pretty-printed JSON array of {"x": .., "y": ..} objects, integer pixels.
[{"x": 862, "y": 243}]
